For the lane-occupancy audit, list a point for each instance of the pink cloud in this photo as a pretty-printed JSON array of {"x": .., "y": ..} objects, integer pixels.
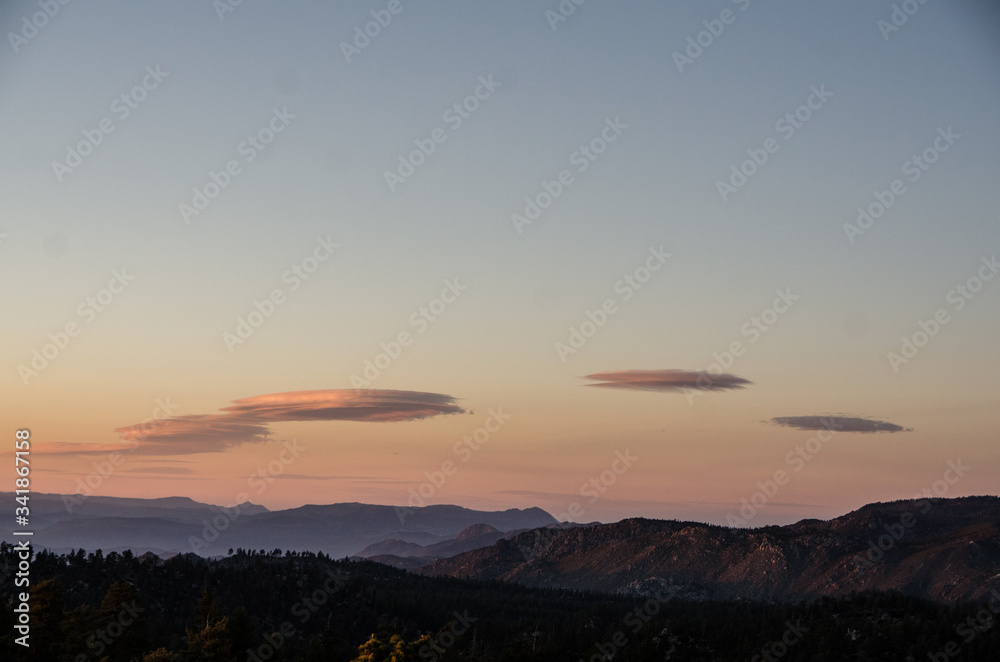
[{"x": 247, "y": 420}]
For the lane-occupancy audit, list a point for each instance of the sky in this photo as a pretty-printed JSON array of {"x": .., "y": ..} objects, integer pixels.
[{"x": 725, "y": 261}]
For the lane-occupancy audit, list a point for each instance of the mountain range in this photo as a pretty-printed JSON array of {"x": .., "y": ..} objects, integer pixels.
[
  {"x": 177, "y": 525},
  {"x": 945, "y": 550}
]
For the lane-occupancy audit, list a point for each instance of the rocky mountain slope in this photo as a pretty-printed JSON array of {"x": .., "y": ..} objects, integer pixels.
[{"x": 946, "y": 550}]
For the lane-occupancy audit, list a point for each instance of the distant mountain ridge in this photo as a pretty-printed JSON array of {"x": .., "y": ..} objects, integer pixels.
[
  {"x": 179, "y": 524},
  {"x": 409, "y": 555},
  {"x": 946, "y": 550}
]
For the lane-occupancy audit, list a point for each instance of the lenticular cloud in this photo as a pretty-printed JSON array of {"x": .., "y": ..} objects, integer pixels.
[
  {"x": 668, "y": 380},
  {"x": 247, "y": 420},
  {"x": 838, "y": 423}
]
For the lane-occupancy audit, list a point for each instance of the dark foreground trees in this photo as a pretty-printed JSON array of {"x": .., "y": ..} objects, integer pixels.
[{"x": 268, "y": 606}]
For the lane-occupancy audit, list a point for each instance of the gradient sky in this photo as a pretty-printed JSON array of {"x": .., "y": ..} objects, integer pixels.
[{"x": 162, "y": 338}]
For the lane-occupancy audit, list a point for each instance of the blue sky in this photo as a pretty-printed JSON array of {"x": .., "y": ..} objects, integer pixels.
[{"x": 655, "y": 186}]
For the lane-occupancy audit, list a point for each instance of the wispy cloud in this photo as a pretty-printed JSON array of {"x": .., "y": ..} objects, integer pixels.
[
  {"x": 373, "y": 405},
  {"x": 668, "y": 380},
  {"x": 73, "y": 448},
  {"x": 347, "y": 479},
  {"x": 838, "y": 423},
  {"x": 188, "y": 434},
  {"x": 247, "y": 420}
]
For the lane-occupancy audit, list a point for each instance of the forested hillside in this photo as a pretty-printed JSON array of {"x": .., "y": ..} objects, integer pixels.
[{"x": 257, "y": 605}]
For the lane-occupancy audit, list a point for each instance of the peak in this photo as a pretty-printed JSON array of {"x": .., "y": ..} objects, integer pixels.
[{"x": 475, "y": 530}]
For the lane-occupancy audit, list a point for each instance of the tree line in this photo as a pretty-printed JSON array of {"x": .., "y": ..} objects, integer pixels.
[{"x": 263, "y": 606}]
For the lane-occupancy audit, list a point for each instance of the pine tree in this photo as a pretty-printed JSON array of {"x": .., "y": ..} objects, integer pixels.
[
  {"x": 47, "y": 601},
  {"x": 208, "y": 637},
  {"x": 122, "y": 622}
]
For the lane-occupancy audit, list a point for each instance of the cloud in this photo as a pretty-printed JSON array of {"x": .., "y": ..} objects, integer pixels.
[
  {"x": 75, "y": 448},
  {"x": 247, "y": 420},
  {"x": 668, "y": 380},
  {"x": 354, "y": 479},
  {"x": 344, "y": 405},
  {"x": 838, "y": 423},
  {"x": 208, "y": 431}
]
